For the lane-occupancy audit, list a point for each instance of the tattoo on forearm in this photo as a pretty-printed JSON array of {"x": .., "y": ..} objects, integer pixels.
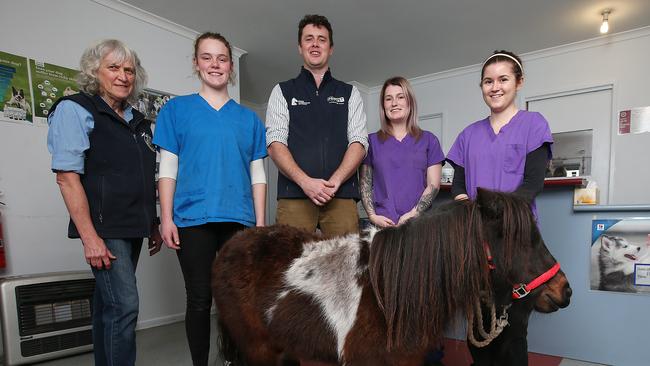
[
  {"x": 366, "y": 189},
  {"x": 426, "y": 199}
]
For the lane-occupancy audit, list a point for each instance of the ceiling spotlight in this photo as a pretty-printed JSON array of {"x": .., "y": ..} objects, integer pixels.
[{"x": 604, "y": 27}]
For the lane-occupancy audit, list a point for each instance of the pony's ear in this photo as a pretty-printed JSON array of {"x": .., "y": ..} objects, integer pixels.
[{"x": 489, "y": 203}]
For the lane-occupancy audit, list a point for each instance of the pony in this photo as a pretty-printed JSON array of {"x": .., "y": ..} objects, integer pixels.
[{"x": 385, "y": 297}]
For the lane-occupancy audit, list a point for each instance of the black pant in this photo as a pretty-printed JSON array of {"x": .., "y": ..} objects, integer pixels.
[{"x": 199, "y": 246}]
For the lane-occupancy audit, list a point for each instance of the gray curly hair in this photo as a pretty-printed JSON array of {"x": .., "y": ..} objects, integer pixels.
[{"x": 92, "y": 58}]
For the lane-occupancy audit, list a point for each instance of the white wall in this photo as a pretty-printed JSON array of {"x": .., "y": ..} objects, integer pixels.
[{"x": 35, "y": 218}]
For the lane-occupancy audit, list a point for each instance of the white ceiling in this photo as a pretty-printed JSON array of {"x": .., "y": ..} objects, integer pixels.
[{"x": 375, "y": 39}]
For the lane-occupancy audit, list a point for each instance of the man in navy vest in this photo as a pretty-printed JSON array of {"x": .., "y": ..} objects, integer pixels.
[{"x": 316, "y": 135}]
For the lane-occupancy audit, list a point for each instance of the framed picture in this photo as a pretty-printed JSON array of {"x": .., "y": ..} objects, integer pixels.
[
  {"x": 620, "y": 255},
  {"x": 150, "y": 101}
]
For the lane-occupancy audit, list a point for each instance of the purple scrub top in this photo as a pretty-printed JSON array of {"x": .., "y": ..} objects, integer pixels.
[
  {"x": 399, "y": 171},
  {"x": 497, "y": 162}
]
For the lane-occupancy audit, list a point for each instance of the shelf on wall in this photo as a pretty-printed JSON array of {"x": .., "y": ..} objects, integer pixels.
[
  {"x": 565, "y": 182},
  {"x": 548, "y": 182}
]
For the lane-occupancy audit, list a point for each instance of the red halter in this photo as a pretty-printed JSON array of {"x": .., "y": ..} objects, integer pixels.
[{"x": 523, "y": 289}]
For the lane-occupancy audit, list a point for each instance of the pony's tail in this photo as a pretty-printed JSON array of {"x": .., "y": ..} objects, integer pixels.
[{"x": 229, "y": 352}]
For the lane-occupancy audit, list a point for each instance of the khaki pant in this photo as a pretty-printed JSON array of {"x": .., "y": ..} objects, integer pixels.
[{"x": 338, "y": 217}]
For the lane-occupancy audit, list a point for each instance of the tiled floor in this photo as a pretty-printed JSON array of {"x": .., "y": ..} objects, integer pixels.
[{"x": 166, "y": 346}]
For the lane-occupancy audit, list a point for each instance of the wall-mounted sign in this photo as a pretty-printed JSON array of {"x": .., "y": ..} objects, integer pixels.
[{"x": 635, "y": 120}]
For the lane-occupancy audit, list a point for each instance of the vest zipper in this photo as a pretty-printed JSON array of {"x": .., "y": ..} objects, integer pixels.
[
  {"x": 147, "y": 219},
  {"x": 101, "y": 200},
  {"x": 322, "y": 144}
]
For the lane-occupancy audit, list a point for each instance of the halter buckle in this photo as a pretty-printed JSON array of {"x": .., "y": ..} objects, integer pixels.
[{"x": 520, "y": 291}]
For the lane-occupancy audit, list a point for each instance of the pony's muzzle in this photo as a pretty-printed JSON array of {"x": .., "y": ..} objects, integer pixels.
[{"x": 555, "y": 295}]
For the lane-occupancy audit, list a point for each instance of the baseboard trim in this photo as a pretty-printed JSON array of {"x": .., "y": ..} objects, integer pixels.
[{"x": 163, "y": 320}]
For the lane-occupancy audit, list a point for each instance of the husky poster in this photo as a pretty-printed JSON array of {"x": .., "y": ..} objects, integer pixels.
[
  {"x": 620, "y": 255},
  {"x": 15, "y": 97},
  {"x": 49, "y": 83}
]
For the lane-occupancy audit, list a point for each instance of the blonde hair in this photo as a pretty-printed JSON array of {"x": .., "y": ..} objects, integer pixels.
[
  {"x": 412, "y": 127},
  {"x": 92, "y": 58}
]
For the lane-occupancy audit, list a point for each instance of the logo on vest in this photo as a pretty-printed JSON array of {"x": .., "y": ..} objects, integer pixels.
[
  {"x": 147, "y": 140},
  {"x": 295, "y": 101},
  {"x": 335, "y": 100}
]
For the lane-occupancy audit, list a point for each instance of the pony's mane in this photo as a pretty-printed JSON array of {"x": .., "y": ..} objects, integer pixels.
[{"x": 428, "y": 269}]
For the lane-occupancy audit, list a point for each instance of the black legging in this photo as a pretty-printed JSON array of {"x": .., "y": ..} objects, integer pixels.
[{"x": 199, "y": 246}]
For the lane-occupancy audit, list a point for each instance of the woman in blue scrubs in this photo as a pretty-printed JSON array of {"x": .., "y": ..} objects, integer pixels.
[{"x": 211, "y": 182}]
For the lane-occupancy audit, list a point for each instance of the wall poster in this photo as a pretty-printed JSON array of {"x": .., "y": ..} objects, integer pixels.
[
  {"x": 150, "y": 101},
  {"x": 49, "y": 83},
  {"x": 15, "y": 93},
  {"x": 620, "y": 255}
]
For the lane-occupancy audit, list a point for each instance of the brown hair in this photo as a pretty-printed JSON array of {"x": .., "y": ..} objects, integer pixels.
[
  {"x": 412, "y": 127},
  {"x": 317, "y": 21},
  {"x": 222, "y": 39},
  {"x": 505, "y": 56}
]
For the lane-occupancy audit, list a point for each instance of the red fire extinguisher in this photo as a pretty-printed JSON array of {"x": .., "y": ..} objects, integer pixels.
[{"x": 3, "y": 262}]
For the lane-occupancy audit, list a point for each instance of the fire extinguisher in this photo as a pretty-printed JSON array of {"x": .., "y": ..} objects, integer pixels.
[{"x": 3, "y": 262}]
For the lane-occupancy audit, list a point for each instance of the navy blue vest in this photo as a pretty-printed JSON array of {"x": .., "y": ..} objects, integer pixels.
[
  {"x": 318, "y": 131},
  {"x": 119, "y": 172}
]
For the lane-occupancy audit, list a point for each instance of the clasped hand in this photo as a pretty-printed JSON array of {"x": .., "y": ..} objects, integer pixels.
[{"x": 319, "y": 191}]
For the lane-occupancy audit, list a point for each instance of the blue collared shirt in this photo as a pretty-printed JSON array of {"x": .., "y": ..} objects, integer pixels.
[{"x": 67, "y": 138}]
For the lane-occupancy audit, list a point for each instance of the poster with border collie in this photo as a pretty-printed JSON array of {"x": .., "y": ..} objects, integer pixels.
[{"x": 620, "y": 255}]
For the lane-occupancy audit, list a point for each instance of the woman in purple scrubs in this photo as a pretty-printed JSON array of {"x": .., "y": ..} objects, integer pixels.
[
  {"x": 509, "y": 150},
  {"x": 400, "y": 176}
]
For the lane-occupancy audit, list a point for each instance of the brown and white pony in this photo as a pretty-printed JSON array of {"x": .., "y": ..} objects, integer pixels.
[{"x": 384, "y": 298}]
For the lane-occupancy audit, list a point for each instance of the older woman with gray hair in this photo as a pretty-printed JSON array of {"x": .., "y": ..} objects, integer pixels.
[{"x": 105, "y": 164}]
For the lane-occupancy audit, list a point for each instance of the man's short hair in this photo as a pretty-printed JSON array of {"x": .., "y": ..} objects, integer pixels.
[{"x": 317, "y": 21}]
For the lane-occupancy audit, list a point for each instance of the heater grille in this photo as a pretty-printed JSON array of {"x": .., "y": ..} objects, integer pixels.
[
  {"x": 40, "y": 346},
  {"x": 46, "y": 316},
  {"x": 47, "y": 307}
]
